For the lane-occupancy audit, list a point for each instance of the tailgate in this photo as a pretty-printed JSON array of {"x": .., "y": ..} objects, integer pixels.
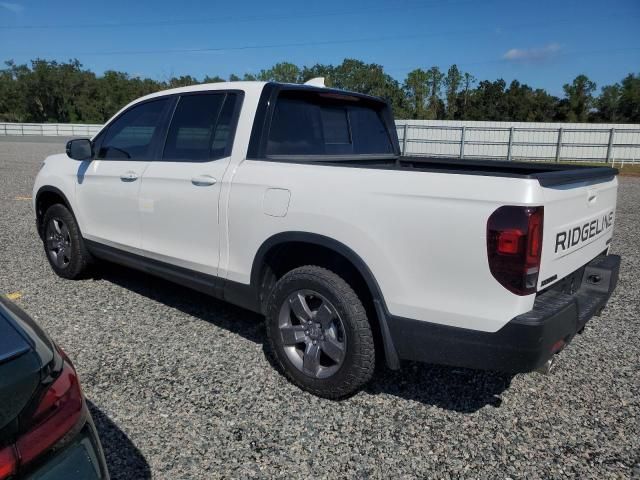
[{"x": 578, "y": 226}]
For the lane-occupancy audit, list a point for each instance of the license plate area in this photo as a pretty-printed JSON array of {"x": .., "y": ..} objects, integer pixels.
[{"x": 572, "y": 282}]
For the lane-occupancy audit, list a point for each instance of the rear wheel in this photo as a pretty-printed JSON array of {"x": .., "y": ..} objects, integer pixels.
[
  {"x": 63, "y": 244},
  {"x": 319, "y": 332}
]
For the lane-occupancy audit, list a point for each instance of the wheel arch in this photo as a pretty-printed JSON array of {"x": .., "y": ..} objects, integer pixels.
[
  {"x": 295, "y": 248},
  {"x": 46, "y": 197}
]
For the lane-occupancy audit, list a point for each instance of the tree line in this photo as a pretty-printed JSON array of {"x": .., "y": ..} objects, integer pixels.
[{"x": 65, "y": 92}]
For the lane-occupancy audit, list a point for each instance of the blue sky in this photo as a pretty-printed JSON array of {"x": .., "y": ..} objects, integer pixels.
[{"x": 542, "y": 43}]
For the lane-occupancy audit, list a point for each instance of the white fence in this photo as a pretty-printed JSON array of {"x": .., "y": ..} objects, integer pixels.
[
  {"x": 465, "y": 139},
  {"x": 521, "y": 140},
  {"x": 49, "y": 129}
]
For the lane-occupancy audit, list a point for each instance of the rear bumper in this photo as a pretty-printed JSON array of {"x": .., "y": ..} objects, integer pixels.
[{"x": 523, "y": 344}]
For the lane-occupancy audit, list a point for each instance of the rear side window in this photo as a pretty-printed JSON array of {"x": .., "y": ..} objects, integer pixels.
[
  {"x": 201, "y": 128},
  {"x": 130, "y": 136},
  {"x": 313, "y": 123}
]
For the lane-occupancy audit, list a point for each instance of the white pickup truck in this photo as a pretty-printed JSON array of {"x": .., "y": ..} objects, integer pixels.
[{"x": 294, "y": 201}]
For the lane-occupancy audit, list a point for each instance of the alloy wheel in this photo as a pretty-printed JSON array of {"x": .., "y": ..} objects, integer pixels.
[
  {"x": 312, "y": 333},
  {"x": 58, "y": 242}
]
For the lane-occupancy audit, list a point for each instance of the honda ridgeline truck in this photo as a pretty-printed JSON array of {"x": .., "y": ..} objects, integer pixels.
[{"x": 294, "y": 201}]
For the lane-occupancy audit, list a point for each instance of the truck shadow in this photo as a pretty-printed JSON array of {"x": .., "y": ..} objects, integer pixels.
[
  {"x": 456, "y": 389},
  {"x": 459, "y": 390},
  {"x": 237, "y": 320},
  {"x": 124, "y": 460}
]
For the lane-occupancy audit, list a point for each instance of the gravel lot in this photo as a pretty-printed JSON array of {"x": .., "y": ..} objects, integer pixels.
[{"x": 181, "y": 385}]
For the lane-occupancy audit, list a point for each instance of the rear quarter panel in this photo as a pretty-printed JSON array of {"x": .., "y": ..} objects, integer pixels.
[{"x": 422, "y": 234}]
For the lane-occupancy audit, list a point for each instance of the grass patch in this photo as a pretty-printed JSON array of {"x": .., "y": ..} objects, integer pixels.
[{"x": 628, "y": 169}]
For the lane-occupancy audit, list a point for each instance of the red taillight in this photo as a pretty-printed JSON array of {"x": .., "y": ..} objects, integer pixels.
[
  {"x": 8, "y": 462},
  {"x": 509, "y": 241},
  {"x": 58, "y": 411},
  {"x": 534, "y": 244},
  {"x": 559, "y": 345},
  {"x": 514, "y": 246}
]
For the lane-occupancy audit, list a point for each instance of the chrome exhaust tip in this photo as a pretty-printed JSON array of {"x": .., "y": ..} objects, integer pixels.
[{"x": 545, "y": 368}]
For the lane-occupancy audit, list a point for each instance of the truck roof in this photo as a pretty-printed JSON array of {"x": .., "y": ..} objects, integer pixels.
[{"x": 248, "y": 87}]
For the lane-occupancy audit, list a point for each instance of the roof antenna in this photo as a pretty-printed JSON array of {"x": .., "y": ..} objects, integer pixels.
[{"x": 316, "y": 82}]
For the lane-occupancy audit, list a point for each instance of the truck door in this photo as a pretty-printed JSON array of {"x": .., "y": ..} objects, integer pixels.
[
  {"x": 108, "y": 186},
  {"x": 180, "y": 191}
]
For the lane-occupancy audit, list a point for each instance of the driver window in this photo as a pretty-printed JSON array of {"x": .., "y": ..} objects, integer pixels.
[{"x": 130, "y": 136}]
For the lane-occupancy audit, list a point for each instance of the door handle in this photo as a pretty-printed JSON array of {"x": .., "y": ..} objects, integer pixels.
[
  {"x": 203, "y": 181},
  {"x": 129, "y": 177}
]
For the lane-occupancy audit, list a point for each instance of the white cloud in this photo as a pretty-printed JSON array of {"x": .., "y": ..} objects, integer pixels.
[
  {"x": 531, "y": 54},
  {"x": 12, "y": 7}
]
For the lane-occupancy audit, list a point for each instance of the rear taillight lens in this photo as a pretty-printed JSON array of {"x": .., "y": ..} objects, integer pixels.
[
  {"x": 514, "y": 247},
  {"x": 59, "y": 409},
  {"x": 8, "y": 462}
]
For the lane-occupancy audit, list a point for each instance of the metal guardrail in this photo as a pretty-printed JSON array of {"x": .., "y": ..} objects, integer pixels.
[
  {"x": 49, "y": 129},
  {"x": 451, "y": 139},
  {"x": 603, "y": 145}
]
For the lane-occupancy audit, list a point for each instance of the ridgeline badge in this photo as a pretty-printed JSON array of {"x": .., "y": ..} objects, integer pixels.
[{"x": 582, "y": 233}]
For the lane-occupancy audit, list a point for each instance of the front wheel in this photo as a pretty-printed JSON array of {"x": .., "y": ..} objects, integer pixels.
[
  {"x": 319, "y": 332},
  {"x": 63, "y": 243}
]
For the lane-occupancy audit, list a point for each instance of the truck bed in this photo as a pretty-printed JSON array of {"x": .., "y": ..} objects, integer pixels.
[{"x": 547, "y": 174}]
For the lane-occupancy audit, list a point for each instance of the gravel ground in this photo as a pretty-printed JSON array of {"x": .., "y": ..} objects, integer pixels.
[{"x": 181, "y": 386}]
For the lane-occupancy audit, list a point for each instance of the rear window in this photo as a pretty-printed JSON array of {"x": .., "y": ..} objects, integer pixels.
[
  {"x": 314, "y": 123},
  {"x": 201, "y": 128}
]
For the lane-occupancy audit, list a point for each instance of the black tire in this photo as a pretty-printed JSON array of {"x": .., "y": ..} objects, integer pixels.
[
  {"x": 349, "y": 328},
  {"x": 63, "y": 243}
]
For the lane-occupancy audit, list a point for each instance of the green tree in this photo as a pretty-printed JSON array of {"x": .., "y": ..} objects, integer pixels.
[
  {"x": 487, "y": 101},
  {"x": 182, "y": 81},
  {"x": 545, "y": 106},
  {"x": 435, "y": 105},
  {"x": 370, "y": 79},
  {"x": 51, "y": 91},
  {"x": 607, "y": 104},
  {"x": 464, "y": 98},
  {"x": 214, "y": 79},
  {"x": 12, "y": 106},
  {"x": 630, "y": 99},
  {"x": 417, "y": 90},
  {"x": 319, "y": 70},
  {"x": 579, "y": 95},
  {"x": 452, "y": 82},
  {"x": 281, "y": 72},
  {"x": 518, "y": 102}
]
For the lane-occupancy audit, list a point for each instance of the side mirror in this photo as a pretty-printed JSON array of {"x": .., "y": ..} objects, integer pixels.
[{"x": 80, "y": 149}]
